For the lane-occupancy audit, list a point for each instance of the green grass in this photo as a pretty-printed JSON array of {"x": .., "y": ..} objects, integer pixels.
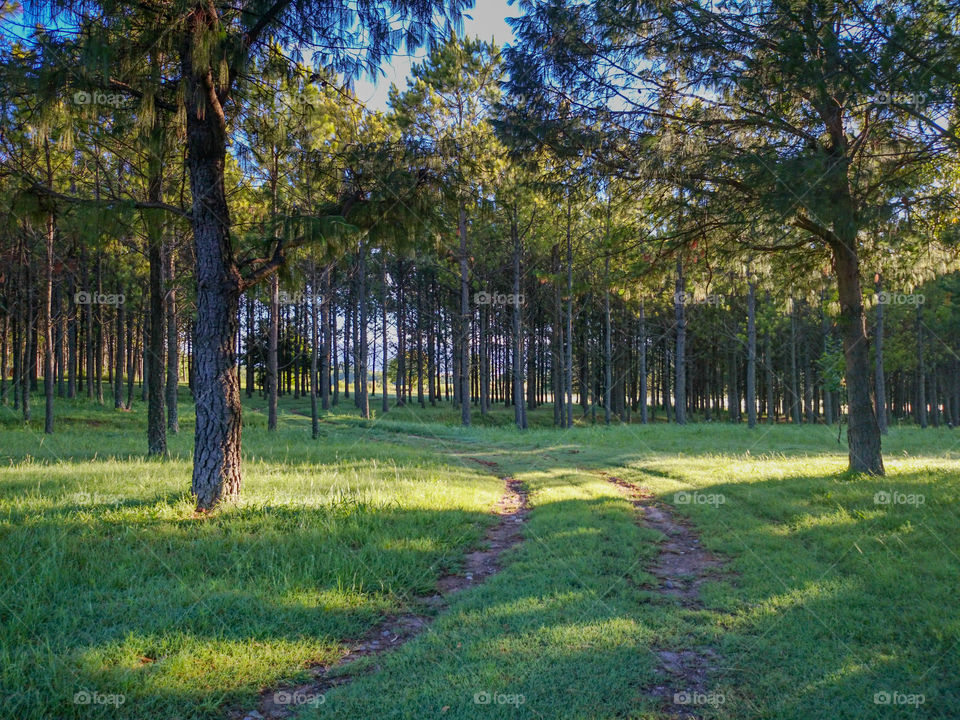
[{"x": 109, "y": 584}]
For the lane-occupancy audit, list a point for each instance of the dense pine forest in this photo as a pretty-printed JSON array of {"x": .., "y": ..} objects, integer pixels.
[
  {"x": 662, "y": 218},
  {"x": 576, "y": 359}
]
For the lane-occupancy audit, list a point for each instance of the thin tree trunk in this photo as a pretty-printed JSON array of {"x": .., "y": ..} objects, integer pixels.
[
  {"x": 568, "y": 333},
  {"x": 680, "y": 363},
  {"x": 273, "y": 378},
  {"x": 794, "y": 386},
  {"x": 384, "y": 400},
  {"x": 120, "y": 357},
  {"x": 156, "y": 428},
  {"x": 314, "y": 352},
  {"x": 519, "y": 410},
  {"x": 48, "y": 324},
  {"x": 173, "y": 349},
  {"x": 607, "y": 344},
  {"x": 921, "y": 372},
  {"x": 642, "y": 360},
  {"x": 880, "y": 389},
  {"x": 325, "y": 347},
  {"x": 751, "y": 353},
  {"x": 464, "y": 319},
  {"x": 361, "y": 370}
]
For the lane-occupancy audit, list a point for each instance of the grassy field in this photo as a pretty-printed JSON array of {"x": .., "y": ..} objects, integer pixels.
[{"x": 837, "y": 598}]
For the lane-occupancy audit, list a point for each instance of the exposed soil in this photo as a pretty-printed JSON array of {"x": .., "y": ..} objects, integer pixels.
[
  {"x": 682, "y": 566},
  {"x": 282, "y": 702}
]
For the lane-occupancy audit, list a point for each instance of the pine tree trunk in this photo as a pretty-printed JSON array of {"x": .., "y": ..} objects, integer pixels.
[
  {"x": 751, "y": 354},
  {"x": 98, "y": 324},
  {"x": 72, "y": 329},
  {"x": 827, "y": 392},
  {"x": 325, "y": 342},
  {"x": 880, "y": 389},
  {"x": 680, "y": 365},
  {"x": 4, "y": 330},
  {"x": 132, "y": 333},
  {"x": 794, "y": 381},
  {"x": 768, "y": 373},
  {"x": 483, "y": 350},
  {"x": 642, "y": 361},
  {"x": 173, "y": 346},
  {"x": 314, "y": 353},
  {"x": 568, "y": 330},
  {"x": 921, "y": 372},
  {"x": 156, "y": 421},
  {"x": 464, "y": 319},
  {"x": 216, "y": 460},
  {"x": 863, "y": 434},
  {"x": 420, "y": 399},
  {"x": 120, "y": 357},
  {"x": 48, "y": 319},
  {"x": 384, "y": 400},
  {"x": 361, "y": 371},
  {"x": 519, "y": 410},
  {"x": 273, "y": 369}
]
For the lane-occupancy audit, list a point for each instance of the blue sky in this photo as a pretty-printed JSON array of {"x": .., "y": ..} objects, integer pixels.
[{"x": 487, "y": 21}]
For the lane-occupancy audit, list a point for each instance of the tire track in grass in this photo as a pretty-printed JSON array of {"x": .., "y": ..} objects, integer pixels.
[
  {"x": 284, "y": 701},
  {"x": 682, "y": 566}
]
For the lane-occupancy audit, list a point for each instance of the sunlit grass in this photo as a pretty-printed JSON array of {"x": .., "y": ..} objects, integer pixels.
[{"x": 109, "y": 583}]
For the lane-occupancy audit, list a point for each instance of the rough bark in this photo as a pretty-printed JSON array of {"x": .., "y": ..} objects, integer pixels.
[
  {"x": 273, "y": 379},
  {"x": 751, "y": 354},
  {"x": 464, "y": 319},
  {"x": 216, "y": 460},
  {"x": 863, "y": 433},
  {"x": 173, "y": 349},
  {"x": 314, "y": 353},
  {"x": 642, "y": 361},
  {"x": 362, "y": 395},
  {"x": 680, "y": 364},
  {"x": 519, "y": 411}
]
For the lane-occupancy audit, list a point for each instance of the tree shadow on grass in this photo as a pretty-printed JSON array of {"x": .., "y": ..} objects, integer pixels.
[
  {"x": 172, "y": 613},
  {"x": 818, "y": 612}
]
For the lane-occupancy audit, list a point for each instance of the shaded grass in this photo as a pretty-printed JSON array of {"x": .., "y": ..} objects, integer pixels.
[{"x": 108, "y": 583}]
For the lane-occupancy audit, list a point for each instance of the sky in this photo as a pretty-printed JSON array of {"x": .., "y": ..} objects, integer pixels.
[{"x": 487, "y": 20}]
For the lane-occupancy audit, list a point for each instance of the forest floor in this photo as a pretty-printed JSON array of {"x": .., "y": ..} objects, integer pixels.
[{"x": 405, "y": 567}]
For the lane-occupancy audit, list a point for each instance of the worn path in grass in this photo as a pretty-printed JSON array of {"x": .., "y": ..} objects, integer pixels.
[
  {"x": 787, "y": 600},
  {"x": 283, "y": 701},
  {"x": 682, "y": 565},
  {"x": 563, "y": 627}
]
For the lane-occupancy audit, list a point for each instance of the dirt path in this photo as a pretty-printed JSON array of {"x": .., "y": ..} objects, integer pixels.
[
  {"x": 283, "y": 701},
  {"x": 682, "y": 566}
]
